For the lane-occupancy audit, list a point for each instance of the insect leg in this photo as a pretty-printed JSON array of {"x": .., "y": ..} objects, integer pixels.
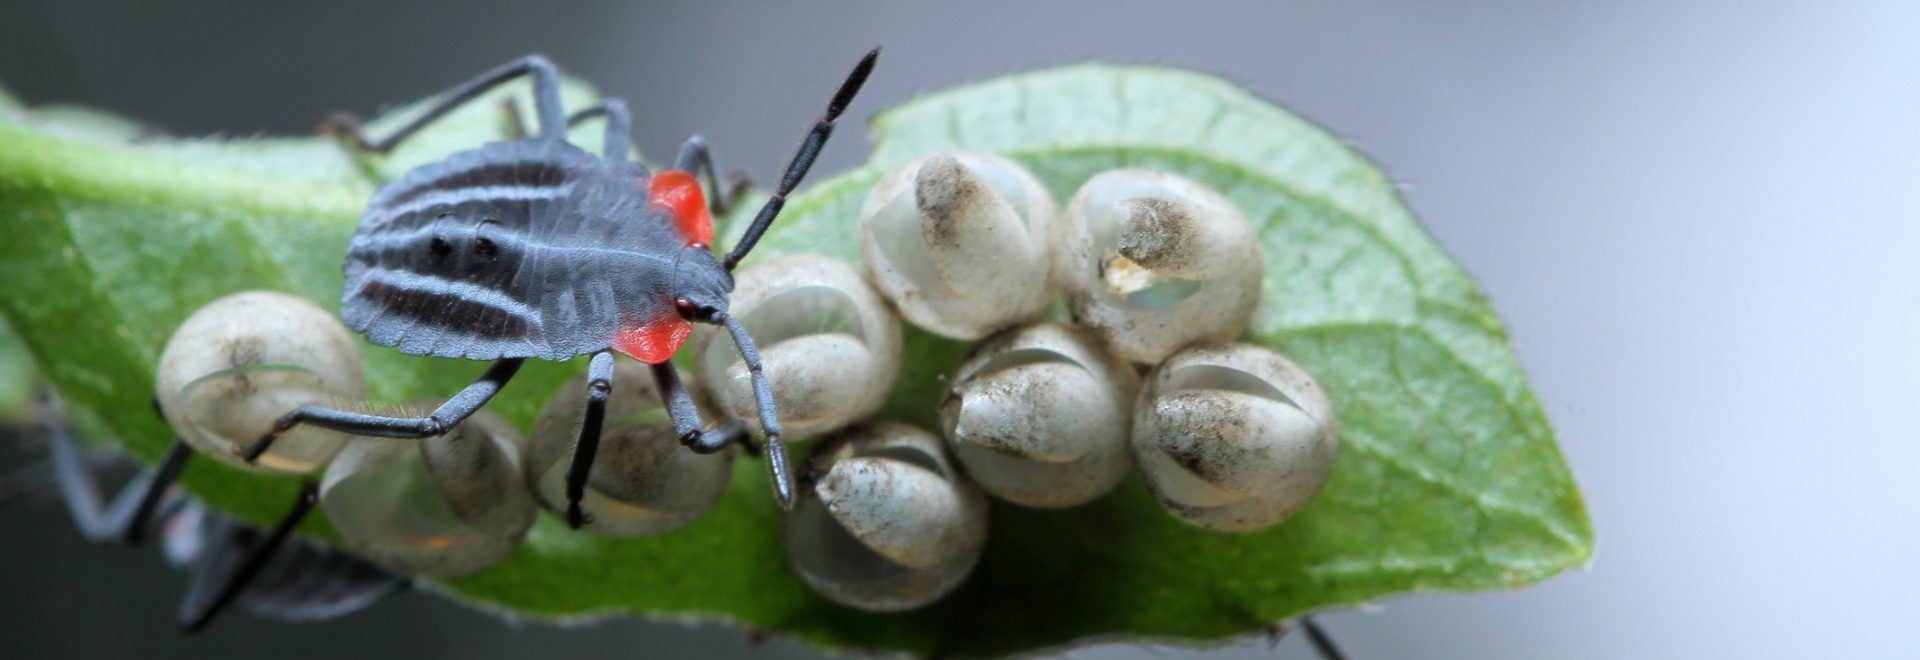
[
  {"x": 803, "y": 159},
  {"x": 695, "y": 156},
  {"x": 454, "y": 411},
  {"x": 126, "y": 519},
  {"x": 599, "y": 386},
  {"x": 81, "y": 492},
  {"x": 1321, "y": 641},
  {"x": 619, "y": 125},
  {"x": 546, "y": 100},
  {"x": 769, "y": 420},
  {"x": 161, "y": 478},
  {"x": 220, "y": 569},
  {"x": 686, "y": 418}
]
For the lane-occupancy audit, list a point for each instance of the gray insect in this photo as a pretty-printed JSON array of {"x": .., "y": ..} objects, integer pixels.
[
  {"x": 535, "y": 248},
  {"x": 264, "y": 572}
]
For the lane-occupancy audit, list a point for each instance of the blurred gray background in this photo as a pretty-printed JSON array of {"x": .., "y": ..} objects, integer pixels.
[{"x": 1697, "y": 219}]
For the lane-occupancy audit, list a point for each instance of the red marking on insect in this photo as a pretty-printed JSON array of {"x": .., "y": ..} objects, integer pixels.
[
  {"x": 680, "y": 193},
  {"x": 654, "y": 341}
]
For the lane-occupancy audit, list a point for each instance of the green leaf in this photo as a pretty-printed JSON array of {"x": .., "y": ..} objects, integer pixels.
[
  {"x": 16, "y": 376},
  {"x": 1448, "y": 477}
]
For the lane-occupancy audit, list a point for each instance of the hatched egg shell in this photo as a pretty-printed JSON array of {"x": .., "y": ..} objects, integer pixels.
[
  {"x": 1176, "y": 237},
  {"x": 1041, "y": 416},
  {"x": 1151, "y": 262},
  {"x": 960, "y": 242},
  {"x": 1037, "y": 412},
  {"x": 240, "y": 362},
  {"x": 1233, "y": 437},
  {"x": 890, "y": 525},
  {"x": 901, "y": 510}
]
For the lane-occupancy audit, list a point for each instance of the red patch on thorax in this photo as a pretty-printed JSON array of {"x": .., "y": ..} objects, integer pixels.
[
  {"x": 655, "y": 341},
  {"x": 680, "y": 194}
]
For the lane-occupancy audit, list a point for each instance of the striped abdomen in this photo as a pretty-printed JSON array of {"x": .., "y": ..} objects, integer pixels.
[{"x": 518, "y": 249}]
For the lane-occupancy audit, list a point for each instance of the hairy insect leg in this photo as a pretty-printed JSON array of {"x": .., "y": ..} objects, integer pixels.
[
  {"x": 696, "y": 155},
  {"x": 235, "y": 561},
  {"x": 454, "y": 411},
  {"x": 546, "y": 100},
  {"x": 803, "y": 159},
  {"x": 599, "y": 387},
  {"x": 686, "y": 418},
  {"x": 763, "y": 400},
  {"x": 619, "y": 126}
]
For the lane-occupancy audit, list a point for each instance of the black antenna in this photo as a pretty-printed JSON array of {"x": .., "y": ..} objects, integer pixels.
[{"x": 803, "y": 160}]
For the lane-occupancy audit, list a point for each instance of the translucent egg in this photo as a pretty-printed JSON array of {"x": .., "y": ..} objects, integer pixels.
[
  {"x": 439, "y": 507},
  {"x": 239, "y": 363}
]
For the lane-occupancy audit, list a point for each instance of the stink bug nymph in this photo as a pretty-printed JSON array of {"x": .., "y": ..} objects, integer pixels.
[{"x": 535, "y": 248}]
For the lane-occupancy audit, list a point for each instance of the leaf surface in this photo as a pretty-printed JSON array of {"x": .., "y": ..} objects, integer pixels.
[{"x": 1448, "y": 476}]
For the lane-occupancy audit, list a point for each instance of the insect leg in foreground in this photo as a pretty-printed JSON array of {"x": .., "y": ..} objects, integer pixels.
[
  {"x": 686, "y": 418},
  {"x": 546, "y": 100},
  {"x": 585, "y": 445},
  {"x": 769, "y": 422},
  {"x": 454, "y": 411}
]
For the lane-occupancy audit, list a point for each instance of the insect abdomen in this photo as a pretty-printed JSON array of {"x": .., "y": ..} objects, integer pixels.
[{"x": 439, "y": 265}]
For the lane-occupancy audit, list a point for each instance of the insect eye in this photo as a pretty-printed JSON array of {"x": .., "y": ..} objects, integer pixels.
[
  {"x": 439, "y": 246},
  {"x": 684, "y": 306}
]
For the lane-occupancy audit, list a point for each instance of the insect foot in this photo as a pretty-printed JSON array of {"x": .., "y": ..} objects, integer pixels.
[
  {"x": 1152, "y": 262},
  {"x": 886, "y": 523},
  {"x": 960, "y": 242},
  {"x": 830, "y": 346},
  {"x": 1040, "y": 416},
  {"x": 1233, "y": 437},
  {"x": 439, "y": 507},
  {"x": 642, "y": 481},
  {"x": 242, "y": 361}
]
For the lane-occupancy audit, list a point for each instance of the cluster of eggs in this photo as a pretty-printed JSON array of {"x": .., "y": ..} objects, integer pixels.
[
  {"x": 1155, "y": 269},
  {"x": 443, "y": 506}
]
